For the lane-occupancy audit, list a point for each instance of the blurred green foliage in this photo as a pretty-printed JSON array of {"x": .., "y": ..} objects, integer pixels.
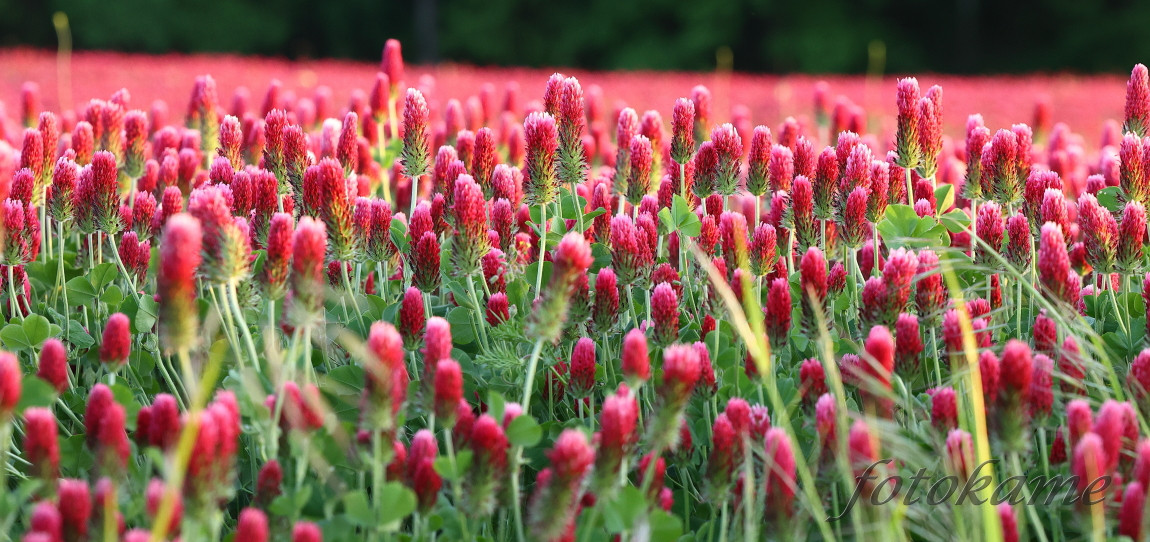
[{"x": 959, "y": 36}]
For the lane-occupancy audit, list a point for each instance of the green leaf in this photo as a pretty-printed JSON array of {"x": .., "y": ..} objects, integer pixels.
[
  {"x": 398, "y": 502},
  {"x": 80, "y": 292},
  {"x": 524, "y": 431},
  {"x": 357, "y": 509},
  {"x": 665, "y": 527},
  {"x": 35, "y": 393},
  {"x": 102, "y": 274},
  {"x": 955, "y": 221},
  {"x": 37, "y": 329},
  {"x": 495, "y": 403},
  {"x": 460, "y": 319},
  {"x": 123, "y": 395},
  {"x": 462, "y": 462},
  {"x": 76, "y": 335},
  {"x": 146, "y": 314},
  {"x": 686, "y": 222},
  {"x": 345, "y": 380},
  {"x": 112, "y": 296},
  {"x": 399, "y": 235},
  {"x": 902, "y": 227},
  {"x": 944, "y": 197},
  {"x": 1111, "y": 198},
  {"x": 14, "y": 337},
  {"x": 621, "y": 512}
]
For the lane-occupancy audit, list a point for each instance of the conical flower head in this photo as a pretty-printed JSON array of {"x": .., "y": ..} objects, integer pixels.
[
  {"x": 1137, "y": 117},
  {"x": 571, "y": 116},
  {"x": 999, "y": 167},
  {"x": 729, "y": 151},
  {"x": 1100, "y": 233},
  {"x": 605, "y": 312},
  {"x": 907, "y": 136},
  {"x": 682, "y": 131},
  {"x": 176, "y": 281},
  {"x": 990, "y": 229},
  {"x": 665, "y": 312},
  {"x": 1054, "y": 262},
  {"x": 641, "y": 158},
  {"x": 309, "y": 244},
  {"x": 416, "y": 152},
  {"x": 1131, "y": 236},
  {"x": 542, "y": 138},
  {"x": 571, "y": 258},
  {"x": 489, "y": 446},
  {"x": 470, "y": 242},
  {"x": 681, "y": 372}
]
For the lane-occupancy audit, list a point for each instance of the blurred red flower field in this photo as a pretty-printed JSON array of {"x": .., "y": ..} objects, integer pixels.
[{"x": 1082, "y": 102}]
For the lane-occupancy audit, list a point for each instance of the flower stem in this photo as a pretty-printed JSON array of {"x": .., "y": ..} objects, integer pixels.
[{"x": 542, "y": 249}]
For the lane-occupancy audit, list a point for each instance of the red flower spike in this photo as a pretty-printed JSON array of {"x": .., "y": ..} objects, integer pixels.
[
  {"x": 581, "y": 377},
  {"x": 437, "y": 344},
  {"x": 907, "y": 137},
  {"x": 252, "y": 526},
  {"x": 908, "y": 344},
  {"x": 636, "y": 363},
  {"x": 448, "y": 390},
  {"x": 683, "y": 131},
  {"x": 1131, "y": 234},
  {"x": 304, "y": 531},
  {"x": 117, "y": 342},
  {"x": 74, "y": 502},
  {"x": 778, "y": 312},
  {"x": 1054, "y": 262},
  {"x": 729, "y": 152},
  {"x": 812, "y": 380},
  {"x": 53, "y": 367},
  {"x": 41, "y": 448},
  {"x": 1137, "y": 114},
  {"x": 179, "y": 256},
  {"x": 781, "y": 168},
  {"x": 665, "y": 311},
  {"x": 542, "y": 144},
  {"x": 498, "y": 309},
  {"x": 1042, "y": 387},
  {"x": 1089, "y": 462},
  {"x": 780, "y": 484}
]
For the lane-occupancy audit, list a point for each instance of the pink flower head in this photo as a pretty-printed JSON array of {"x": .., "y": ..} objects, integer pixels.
[
  {"x": 41, "y": 448},
  {"x": 252, "y": 525},
  {"x": 636, "y": 363},
  {"x": 683, "y": 131},
  {"x": 1054, "y": 262},
  {"x": 448, "y": 390},
  {"x": 780, "y": 484},
  {"x": 812, "y": 380},
  {"x": 1100, "y": 233},
  {"x": 392, "y": 63},
  {"x": 425, "y": 262},
  {"x": 778, "y": 312},
  {"x": 542, "y": 139},
  {"x": 1009, "y": 522},
  {"x": 582, "y": 368},
  {"x": 176, "y": 281},
  {"x": 908, "y": 343},
  {"x": 1137, "y": 117},
  {"x": 1131, "y": 236},
  {"x": 665, "y": 312},
  {"x": 117, "y": 342},
  {"x": 416, "y": 152},
  {"x": 990, "y": 228},
  {"x": 999, "y": 167},
  {"x": 1018, "y": 240},
  {"x": 907, "y": 137},
  {"x": 53, "y": 367},
  {"x": 853, "y": 220},
  {"x": 729, "y": 152},
  {"x": 1090, "y": 461},
  {"x": 1042, "y": 387},
  {"x": 878, "y": 367},
  {"x": 638, "y": 181},
  {"x": 305, "y": 531},
  {"x": 781, "y": 168}
]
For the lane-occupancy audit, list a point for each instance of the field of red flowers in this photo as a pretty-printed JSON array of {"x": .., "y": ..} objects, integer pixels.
[{"x": 257, "y": 300}]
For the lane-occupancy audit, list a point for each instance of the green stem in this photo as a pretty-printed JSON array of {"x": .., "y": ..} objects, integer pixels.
[
  {"x": 532, "y": 366},
  {"x": 456, "y": 488},
  {"x": 542, "y": 249},
  {"x": 478, "y": 322},
  {"x": 234, "y": 301}
]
